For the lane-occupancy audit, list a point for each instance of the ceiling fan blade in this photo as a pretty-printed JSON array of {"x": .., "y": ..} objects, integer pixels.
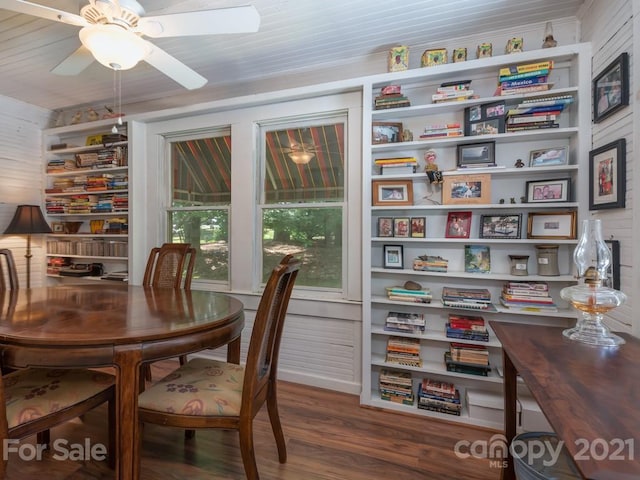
[
  {"x": 174, "y": 69},
  {"x": 205, "y": 22},
  {"x": 36, "y": 10},
  {"x": 74, "y": 63}
]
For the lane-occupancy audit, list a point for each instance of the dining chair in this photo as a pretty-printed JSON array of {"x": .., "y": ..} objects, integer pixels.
[
  {"x": 206, "y": 393},
  {"x": 169, "y": 266},
  {"x": 35, "y": 400},
  {"x": 8, "y": 271}
]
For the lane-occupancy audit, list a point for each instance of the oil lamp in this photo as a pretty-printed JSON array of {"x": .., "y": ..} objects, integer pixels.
[{"x": 592, "y": 258}]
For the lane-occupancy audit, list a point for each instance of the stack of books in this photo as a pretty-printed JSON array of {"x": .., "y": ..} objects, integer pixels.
[
  {"x": 405, "y": 322},
  {"x": 402, "y": 294},
  {"x": 60, "y": 165},
  {"x": 537, "y": 113},
  {"x": 467, "y": 298},
  {"x": 396, "y": 165},
  {"x": 467, "y": 327},
  {"x": 453, "y": 91},
  {"x": 467, "y": 358},
  {"x": 404, "y": 351},
  {"x": 391, "y": 97},
  {"x": 525, "y": 78},
  {"x": 439, "y": 396},
  {"x": 527, "y": 297},
  {"x": 442, "y": 130},
  {"x": 396, "y": 387},
  {"x": 431, "y": 263}
]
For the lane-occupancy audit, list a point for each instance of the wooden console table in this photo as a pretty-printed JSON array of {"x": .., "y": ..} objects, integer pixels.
[{"x": 590, "y": 396}]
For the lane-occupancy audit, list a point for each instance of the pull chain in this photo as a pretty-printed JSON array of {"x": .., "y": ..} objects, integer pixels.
[{"x": 117, "y": 98}]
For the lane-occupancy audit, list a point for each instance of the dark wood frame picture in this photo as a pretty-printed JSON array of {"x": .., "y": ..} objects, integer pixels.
[
  {"x": 501, "y": 226},
  {"x": 418, "y": 227},
  {"x": 607, "y": 176},
  {"x": 558, "y": 190},
  {"x": 613, "y": 271},
  {"x": 392, "y": 256},
  {"x": 611, "y": 88},
  {"x": 386, "y": 132},
  {"x": 385, "y": 227},
  {"x": 458, "y": 225},
  {"x": 552, "y": 225}
]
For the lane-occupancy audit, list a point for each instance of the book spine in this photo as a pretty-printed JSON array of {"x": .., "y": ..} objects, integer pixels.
[
  {"x": 528, "y": 67},
  {"x": 531, "y": 119},
  {"x": 530, "y": 89},
  {"x": 555, "y": 100},
  {"x": 518, "y": 76},
  {"x": 525, "y": 82}
]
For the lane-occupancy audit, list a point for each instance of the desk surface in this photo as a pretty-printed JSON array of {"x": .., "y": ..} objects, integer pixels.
[{"x": 591, "y": 396}]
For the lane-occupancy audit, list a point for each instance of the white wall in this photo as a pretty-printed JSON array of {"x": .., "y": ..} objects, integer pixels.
[
  {"x": 21, "y": 181},
  {"x": 612, "y": 28}
]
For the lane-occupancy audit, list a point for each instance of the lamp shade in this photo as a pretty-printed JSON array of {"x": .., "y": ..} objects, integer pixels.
[
  {"x": 28, "y": 219},
  {"x": 301, "y": 158},
  {"x": 113, "y": 46}
]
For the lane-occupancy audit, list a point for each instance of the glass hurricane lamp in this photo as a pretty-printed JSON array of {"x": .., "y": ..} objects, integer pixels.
[{"x": 592, "y": 259}]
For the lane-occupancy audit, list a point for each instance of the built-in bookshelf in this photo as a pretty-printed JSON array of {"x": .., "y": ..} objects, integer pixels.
[
  {"x": 508, "y": 179},
  {"x": 86, "y": 198}
]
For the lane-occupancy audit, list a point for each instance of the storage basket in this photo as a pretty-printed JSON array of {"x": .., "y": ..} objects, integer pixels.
[{"x": 542, "y": 468}]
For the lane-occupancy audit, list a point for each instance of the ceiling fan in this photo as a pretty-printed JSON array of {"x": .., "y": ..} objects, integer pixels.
[
  {"x": 112, "y": 32},
  {"x": 301, "y": 153}
]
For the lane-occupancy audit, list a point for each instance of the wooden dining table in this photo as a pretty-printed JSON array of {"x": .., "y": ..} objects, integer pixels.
[{"x": 118, "y": 325}]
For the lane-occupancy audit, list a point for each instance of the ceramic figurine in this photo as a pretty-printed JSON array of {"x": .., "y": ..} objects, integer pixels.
[
  {"x": 77, "y": 118},
  {"x": 92, "y": 115},
  {"x": 548, "y": 41}
]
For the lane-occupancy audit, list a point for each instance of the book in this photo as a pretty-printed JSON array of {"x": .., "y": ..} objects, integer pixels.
[
  {"x": 518, "y": 76},
  {"x": 527, "y": 67},
  {"x": 535, "y": 117},
  {"x": 395, "y": 160},
  {"x": 541, "y": 87},
  {"x": 406, "y": 318},
  {"x": 531, "y": 109},
  {"x": 541, "y": 101},
  {"x": 524, "y": 82},
  {"x": 397, "y": 170},
  {"x": 470, "y": 294}
]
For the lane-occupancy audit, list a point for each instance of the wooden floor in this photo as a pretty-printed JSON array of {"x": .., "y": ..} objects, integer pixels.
[{"x": 329, "y": 437}]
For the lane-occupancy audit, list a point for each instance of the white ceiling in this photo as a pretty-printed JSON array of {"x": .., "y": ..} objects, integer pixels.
[{"x": 295, "y": 38}]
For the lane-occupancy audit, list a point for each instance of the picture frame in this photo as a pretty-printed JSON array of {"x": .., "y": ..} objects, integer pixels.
[
  {"x": 481, "y": 154},
  {"x": 613, "y": 271},
  {"x": 552, "y": 225},
  {"x": 611, "y": 88},
  {"x": 459, "y": 55},
  {"x": 506, "y": 226},
  {"x": 458, "y": 225},
  {"x": 607, "y": 176},
  {"x": 466, "y": 189},
  {"x": 418, "y": 227},
  {"x": 57, "y": 227},
  {"x": 477, "y": 259},
  {"x": 401, "y": 227},
  {"x": 433, "y": 57},
  {"x": 545, "y": 191},
  {"x": 548, "y": 157},
  {"x": 385, "y": 227},
  {"x": 487, "y": 119},
  {"x": 392, "y": 192},
  {"x": 386, "y": 132},
  {"x": 393, "y": 256}
]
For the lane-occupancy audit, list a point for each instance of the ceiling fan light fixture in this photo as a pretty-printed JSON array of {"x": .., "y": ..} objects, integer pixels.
[
  {"x": 113, "y": 46},
  {"x": 301, "y": 158}
]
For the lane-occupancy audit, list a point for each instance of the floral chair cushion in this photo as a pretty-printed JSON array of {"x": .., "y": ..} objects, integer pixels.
[
  {"x": 35, "y": 392},
  {"x": 201, "y": 387}
]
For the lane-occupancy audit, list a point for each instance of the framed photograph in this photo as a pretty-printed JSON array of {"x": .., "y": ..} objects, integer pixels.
[
  {"x": 418, "y": 227},
  {"x": 401, "y": 227},
  {"x": 500, "y": 226},
  {"x": 393, "y": 256},
  {"x": 477, "y": 259},
  {"x": 386, "y": 132},
  {"x": 611, "y": 88},
  {"x": 385, "y": 227},
  {"x": 466, "y": 189},
  {"x": 541, "y": 191},
  {"x": 392, "y": 192},
  {"x": 459, "y": 55},
  {"x": 548, "y": 157},
  {"x": 477, "y": 154},
  {"x": 552, "y": 225},
  {"x": 458, "y": 225},
  {"x": 493, "y": 110},
  {"x": 487, "y": 119},
  {"x": 607, "y": 176},
  {"x": 613, "y": 272},
  {"x": 486, "y": 127},
  {"x": 57, "y": 227}
]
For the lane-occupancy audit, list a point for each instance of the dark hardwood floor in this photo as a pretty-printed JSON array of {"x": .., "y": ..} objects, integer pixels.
[{"x": 329, "y": 437}]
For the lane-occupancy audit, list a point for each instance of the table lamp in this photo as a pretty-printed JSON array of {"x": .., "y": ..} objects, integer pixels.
[
  {"x": 592, "y": 258},
  {"x": 28, "y": 220}
]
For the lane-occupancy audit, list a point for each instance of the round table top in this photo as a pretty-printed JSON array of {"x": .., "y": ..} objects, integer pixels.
[{"x": 107, "y": 313}]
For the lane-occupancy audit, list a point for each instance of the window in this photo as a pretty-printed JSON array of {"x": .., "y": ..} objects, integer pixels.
[
  {"x": 200, "y": 199},
  {"x": 303, "y": 198}
]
